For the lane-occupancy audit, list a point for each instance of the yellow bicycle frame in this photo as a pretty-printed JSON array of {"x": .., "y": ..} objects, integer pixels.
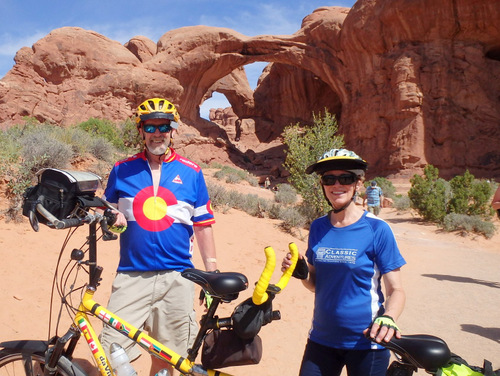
[{"x": 88, "y": 305}]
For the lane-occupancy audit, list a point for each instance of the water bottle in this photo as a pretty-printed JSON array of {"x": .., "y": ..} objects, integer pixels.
[
  {"x": 163, "y": 372},
  {"x": 120, "y": 361}
]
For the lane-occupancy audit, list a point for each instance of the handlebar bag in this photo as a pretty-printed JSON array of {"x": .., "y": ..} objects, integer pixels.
[
  {"x": 58, "y": 192},
  {"x": 248, "y": 318},
  {"x": 224, "y": 348}
]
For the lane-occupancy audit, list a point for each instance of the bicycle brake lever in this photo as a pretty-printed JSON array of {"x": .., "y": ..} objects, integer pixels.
[{"x": 106, "y": 234}]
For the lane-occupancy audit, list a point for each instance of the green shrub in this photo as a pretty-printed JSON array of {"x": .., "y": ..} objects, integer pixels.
[
  {"x": 305, "y": 145},
  {"x": 470, "y": 196},
  {"x": 428, "y": 195},
  {"x": 103, "y": 128},
  {"x": 460, "y": 204}
]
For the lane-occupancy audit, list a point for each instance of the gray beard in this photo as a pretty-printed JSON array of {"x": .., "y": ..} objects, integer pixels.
[{"x": 159, "y": 150}]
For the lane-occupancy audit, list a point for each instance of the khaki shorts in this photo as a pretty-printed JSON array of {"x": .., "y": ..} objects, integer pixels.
[{"x": 160, "y": 303}]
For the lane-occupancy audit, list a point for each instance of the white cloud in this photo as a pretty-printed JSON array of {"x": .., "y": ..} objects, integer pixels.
[
  {"x": 9, "y": 44},
  {"x": 267, "y": 19}
]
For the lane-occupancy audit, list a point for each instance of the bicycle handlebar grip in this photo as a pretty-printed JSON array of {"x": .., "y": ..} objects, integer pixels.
[
  {"x": 285, "y": 277},
  {"x": 66, "y": 223},
  {"x": 57, "y": 223},
  {"x": 260, "y": 295}
]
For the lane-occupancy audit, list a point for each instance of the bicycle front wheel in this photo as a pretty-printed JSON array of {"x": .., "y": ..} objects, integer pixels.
[{"x": 13, "y": 362}]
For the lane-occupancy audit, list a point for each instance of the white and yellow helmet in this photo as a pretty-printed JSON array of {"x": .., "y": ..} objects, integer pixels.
[{"x": 339, "y": 159}]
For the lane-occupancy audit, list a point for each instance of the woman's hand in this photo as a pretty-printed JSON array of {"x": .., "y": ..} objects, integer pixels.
[{"x": 382, "y": 328}]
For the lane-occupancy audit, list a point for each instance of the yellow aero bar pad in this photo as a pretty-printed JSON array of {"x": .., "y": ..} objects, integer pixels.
[{"x": 260, "y": 295}]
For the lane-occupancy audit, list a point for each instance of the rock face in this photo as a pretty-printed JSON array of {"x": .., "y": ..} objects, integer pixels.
[{"x": 412, "y": 83}]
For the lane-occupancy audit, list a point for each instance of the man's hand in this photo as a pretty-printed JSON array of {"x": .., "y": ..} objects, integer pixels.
[{"x": 206, "y": 298}]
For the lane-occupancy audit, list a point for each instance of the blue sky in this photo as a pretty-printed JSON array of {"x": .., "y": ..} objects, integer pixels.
[{"x": 23, "y": 22}]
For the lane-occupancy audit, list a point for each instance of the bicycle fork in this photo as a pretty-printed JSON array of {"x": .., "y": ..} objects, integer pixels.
[{"x": 59, "y": 349}]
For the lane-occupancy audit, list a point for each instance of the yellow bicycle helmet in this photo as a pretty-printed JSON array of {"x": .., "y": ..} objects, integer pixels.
[
  {"x": 157, "y": 108},
  {"x": 339, "y": 159}
]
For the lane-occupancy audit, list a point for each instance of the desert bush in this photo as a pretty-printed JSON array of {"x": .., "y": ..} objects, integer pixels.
[
  {"x": 291, "y": 218},
  {"x": 308, "y": 212},
  {"x": 253, "y": 205},
  {"x": 402, "y": 202},
  {"x": 286, "y": 194},
  {"x": 305, "y": 145},
  {"x": 129, "y": 134},
  {"x": 468, "y": 223},
  {"x": 274, "y": 211},
  {"x": 32, "y": 146},
  {"x": 43, "y": 149},
  {"x": 233, "y": 175}
]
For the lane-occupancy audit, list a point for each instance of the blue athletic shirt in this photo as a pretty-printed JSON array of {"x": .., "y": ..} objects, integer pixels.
[
  {"x": 159, "y": 233},
  {"x": 349, "y": 263}
]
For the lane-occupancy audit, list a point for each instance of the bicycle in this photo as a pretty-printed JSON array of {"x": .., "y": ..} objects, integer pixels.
[
  {"x": 55, "y": 356},
  {"x": 431, "y": 354}
]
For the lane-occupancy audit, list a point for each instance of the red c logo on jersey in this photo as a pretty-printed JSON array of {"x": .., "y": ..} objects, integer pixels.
[{"x": 150, "y": 211}]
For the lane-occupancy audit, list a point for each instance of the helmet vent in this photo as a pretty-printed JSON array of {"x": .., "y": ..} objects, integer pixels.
[
  {"x": 160, "y": 105},
  {"x": 151, "y": 104}
]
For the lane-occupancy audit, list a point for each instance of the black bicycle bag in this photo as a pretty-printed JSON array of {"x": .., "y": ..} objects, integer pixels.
[{"x": 59, "y": 191}]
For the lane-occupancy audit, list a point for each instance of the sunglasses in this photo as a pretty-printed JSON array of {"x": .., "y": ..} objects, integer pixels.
[
  {"x": 150, "y": 128},
  {"x": 345, "y": 179}
]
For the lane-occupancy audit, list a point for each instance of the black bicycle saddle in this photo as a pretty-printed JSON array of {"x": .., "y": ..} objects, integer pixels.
[
  {"x": 224, "y": 285},
  {"x": 421, "y": 350}
]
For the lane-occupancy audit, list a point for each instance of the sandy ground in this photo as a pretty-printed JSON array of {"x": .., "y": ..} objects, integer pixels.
[{"x": 452, "y": 284}]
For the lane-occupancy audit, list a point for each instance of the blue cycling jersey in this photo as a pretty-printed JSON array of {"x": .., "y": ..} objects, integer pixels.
[
  {"x": 349, "y": 263},
  {"x": 159, "y": 233}
]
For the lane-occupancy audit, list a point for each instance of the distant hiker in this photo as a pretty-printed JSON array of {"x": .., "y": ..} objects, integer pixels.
[{"x": 373, "y": 197}]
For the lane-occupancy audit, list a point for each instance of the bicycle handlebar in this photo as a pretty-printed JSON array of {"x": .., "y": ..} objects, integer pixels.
[
  {"x": 64, "y": 223},
  {"x": 260, "y": 295},
  {"x": 57, "y": 223}
]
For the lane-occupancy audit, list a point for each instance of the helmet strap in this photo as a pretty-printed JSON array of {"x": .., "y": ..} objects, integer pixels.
[
  {"x": 343, "y": 207},
  {"x": 334, "y": 209}
]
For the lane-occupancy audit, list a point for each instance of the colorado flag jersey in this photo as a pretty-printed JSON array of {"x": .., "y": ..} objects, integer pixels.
[{"x": 159, "y": 233}]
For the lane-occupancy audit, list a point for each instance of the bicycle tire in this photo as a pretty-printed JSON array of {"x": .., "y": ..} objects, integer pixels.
[{"x": 14, "y": 362}]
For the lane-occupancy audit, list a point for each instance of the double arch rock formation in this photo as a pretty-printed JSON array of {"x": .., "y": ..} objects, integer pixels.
[{"x": 411, "y": 83}]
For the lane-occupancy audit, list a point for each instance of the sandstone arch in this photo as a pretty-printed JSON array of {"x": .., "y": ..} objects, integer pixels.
[{"x": 413, "y": 82}]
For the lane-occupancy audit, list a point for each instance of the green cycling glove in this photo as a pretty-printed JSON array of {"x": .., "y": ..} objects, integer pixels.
[
  {"x": 117, "y": 229},
  {"x": 387, "y": 321},
  {"x": 205, "y": 296}
]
